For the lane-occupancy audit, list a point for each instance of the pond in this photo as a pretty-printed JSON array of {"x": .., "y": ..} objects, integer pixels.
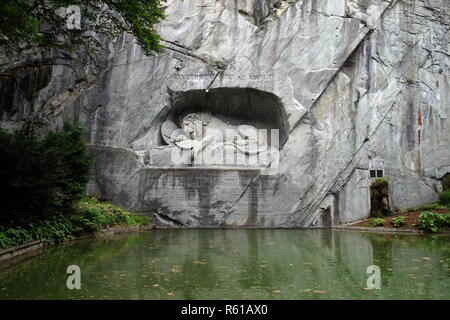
[{"x": 237, "y": 264}]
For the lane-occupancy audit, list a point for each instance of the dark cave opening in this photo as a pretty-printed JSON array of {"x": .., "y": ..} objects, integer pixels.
[{"x": 261, "y": 109}]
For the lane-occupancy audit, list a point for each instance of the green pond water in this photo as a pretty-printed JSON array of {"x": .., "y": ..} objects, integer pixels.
[{"x": 237, "y": 264}]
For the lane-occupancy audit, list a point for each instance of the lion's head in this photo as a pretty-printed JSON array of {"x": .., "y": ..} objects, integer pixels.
[{"x": 193, "y": 124}]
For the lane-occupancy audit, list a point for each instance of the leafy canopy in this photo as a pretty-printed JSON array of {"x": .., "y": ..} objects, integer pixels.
[{"x": 31, "y": 22}]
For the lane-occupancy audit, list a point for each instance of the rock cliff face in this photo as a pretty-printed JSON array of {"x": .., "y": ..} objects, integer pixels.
[{"x": 361, "y": 88}]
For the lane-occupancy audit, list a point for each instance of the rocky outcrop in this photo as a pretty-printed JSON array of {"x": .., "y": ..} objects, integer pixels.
[{"x": 362, "y": 85}]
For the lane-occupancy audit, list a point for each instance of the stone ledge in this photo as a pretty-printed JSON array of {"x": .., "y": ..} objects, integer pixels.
[
  {"x": 15, "y": 251},
  {"x": 385, "y": 230}
]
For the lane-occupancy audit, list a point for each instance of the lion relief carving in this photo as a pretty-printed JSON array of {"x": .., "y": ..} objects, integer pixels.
[{"x": 200, "y": 131}]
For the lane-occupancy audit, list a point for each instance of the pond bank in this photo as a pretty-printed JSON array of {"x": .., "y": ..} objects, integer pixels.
[
  {"x": 380, "y": 229},
  {"x": 28, "y": 248},
  {"x": 418, "y": 220}
]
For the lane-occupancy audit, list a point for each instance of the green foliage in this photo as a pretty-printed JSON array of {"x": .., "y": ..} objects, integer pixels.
[
  {"x": 140, "y": 16},
  {"x": 41, "y": 176},
  {"x": 43, "y": 183},
  {"x": 433, "y": 222},
  {"x": 428, "y": 206},
  {"x": 89, "y": 215},
  {"x": 444, "y": 197},
  {"x": 410, "y": 80},
  {"x": 54, "y": 230},
  {"x": 381, "y": 182},
  {"x": 398, "y": 221},
  {"x": 92, "y": 215},
  {"x": 446, "y": 181},
  {"x": 15, "y": 24},
  {"x": 37, "y": 22},
  {"x": 378, "y": 222},
  {"x": 13, "y": 237},
  {"x": 81, "y": 78}
]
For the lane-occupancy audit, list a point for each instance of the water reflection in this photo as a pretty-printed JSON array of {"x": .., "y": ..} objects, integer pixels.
[{"x": 238, "y": 264}]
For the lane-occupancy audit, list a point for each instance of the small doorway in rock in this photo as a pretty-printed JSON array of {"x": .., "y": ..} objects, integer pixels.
[
  {"x": 379, "y": 198},
  {"x": 327, "y": 220}
]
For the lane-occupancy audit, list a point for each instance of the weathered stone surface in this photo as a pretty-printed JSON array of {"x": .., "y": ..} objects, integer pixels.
[{"x": 349, "y": 81}]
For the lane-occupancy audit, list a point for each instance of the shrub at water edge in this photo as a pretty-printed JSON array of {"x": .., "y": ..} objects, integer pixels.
[
  {"x": 378, "y": 222},
  {"x": 398, "y": 221},
  {"x": 444, "y": 197},
  {"x": 432, "y": 221}
]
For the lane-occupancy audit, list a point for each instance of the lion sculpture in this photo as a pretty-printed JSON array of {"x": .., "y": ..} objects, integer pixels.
[{"x": 203, "y": 130}]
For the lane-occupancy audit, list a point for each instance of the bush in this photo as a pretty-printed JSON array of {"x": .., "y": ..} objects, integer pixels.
[
  {"x": 446, "y": 181},
  {"x": 52, "y": 231},
  {"x": 429, "y": 206},
  {"x": 398, "y": 221},
  {"x": 444, "y": 197},
  {"x": 88, "y": 215},
  {"x": 41, "y": 177},
  {"x": 92, "y": 215},
  {"x": 12, "y": 237},
  {"x": 433, "y": 222},
  {"x": 378, "y": 222}
]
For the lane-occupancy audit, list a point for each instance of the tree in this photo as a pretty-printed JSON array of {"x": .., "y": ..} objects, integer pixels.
[
  {"x": 44, "y": 22},
  {"x": 41, "y": 178}
]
